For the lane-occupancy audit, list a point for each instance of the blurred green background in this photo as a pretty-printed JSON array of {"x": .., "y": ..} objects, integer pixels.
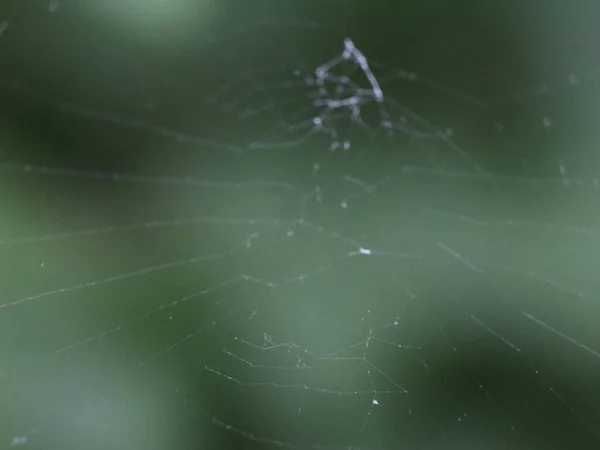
[{"x": 159, "y": 290}]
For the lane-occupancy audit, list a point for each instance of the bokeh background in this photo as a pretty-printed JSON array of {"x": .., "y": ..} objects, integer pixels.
[{"x": 179, "y": 260}]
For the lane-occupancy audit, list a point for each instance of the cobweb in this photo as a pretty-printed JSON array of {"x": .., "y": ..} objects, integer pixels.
[{"x": 303, "y": 226}]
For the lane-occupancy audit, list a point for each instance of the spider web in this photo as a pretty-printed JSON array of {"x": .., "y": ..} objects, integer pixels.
[{"x": 282, "y": 229}]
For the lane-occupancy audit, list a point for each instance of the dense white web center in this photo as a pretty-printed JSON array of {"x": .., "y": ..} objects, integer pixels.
[{"x": 279, "y": 239}]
